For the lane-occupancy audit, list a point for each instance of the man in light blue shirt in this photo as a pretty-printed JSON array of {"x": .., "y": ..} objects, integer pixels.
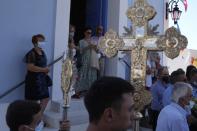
[
  {"x": 167, "y": 95},
  {"x": 173, "y": 116},
  {"x": 193, "y": 82},
  {"x": 176, "y": 76},
  {"x": 157, "y": 93}
]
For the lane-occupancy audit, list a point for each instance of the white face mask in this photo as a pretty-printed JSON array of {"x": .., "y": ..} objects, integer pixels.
[
  {"x": 195, "y": 83},
  {"x": 72, "y": 34},
  {"x": 73, "y": 52},
  {"x": 191, "y": 104},
  {"x": 41, "y": 44}
]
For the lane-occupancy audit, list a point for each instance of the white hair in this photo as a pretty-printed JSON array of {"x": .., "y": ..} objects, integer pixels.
[{"x": 180, "y": 90}]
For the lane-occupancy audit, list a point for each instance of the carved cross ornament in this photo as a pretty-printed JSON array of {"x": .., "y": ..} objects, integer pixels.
[
  {"x": 111, "y": 43},
  {"x": 171, "y": 43},
  {"x": 140, "y": 13}
]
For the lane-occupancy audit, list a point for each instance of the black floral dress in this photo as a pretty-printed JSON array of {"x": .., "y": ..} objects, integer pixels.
[{"x": 35, "y": 82}]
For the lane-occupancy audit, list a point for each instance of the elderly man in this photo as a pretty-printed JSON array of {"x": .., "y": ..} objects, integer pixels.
[
  {"x": 173, "y": 116},
  {"x": 176, "y": 76},
  {"x": 110, "y": 105}
]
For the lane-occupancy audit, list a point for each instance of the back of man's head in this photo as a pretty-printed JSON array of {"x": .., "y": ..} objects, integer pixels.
[
  {"x": 193, "y": 74},
  {"x": 21, "y": 112},
  {"x": 180, "y": 91},
  {"x": 104, "y": 93},
  {"x": 162, "y": 71},
  {"x": 178, "y": 76},
  {"x": 188, "y": 71}
]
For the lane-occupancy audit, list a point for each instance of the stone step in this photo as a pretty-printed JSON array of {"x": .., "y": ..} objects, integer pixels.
[
  {"x": 77, "y": 117},
  {"x": 77, "y": 113},
  {"x": 75, "y": 105},
  {"x": 3, "y": 110}
]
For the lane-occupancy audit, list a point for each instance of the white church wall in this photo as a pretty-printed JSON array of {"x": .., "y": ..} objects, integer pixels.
[
  {"x": 183, "y": 60},
  {"x": 160, "y": 18},
  {"x": 20, "y": 19}
]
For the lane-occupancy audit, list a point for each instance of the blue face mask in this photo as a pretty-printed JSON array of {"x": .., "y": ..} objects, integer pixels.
[{"x": 40, "y": 126}]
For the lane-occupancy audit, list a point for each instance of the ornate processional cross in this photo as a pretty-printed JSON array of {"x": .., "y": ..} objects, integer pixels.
[{"x": 171, "y": 43}]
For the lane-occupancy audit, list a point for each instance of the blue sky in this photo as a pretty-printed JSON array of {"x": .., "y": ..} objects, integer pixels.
[{"x": 188, "y": 23}]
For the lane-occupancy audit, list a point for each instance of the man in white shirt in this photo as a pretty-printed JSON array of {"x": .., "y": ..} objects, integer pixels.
[
  {"x": 174, "y": 116},
  {"x": 101, "y": 56}
]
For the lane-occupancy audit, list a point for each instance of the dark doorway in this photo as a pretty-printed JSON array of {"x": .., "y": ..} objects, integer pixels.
[
  {"x": 78, "y": 17},
  {"x": 89, "y": 13}
]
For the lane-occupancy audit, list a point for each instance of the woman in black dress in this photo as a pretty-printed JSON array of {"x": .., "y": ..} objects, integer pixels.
[{"x": 36, "y": 86}]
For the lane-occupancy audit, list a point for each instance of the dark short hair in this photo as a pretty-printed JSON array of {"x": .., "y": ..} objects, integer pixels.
[
  {"x": 99, "y": 27},
  {"x": 71, "y": 26},
  {"x": 87, "y": 28},
  {"x": 193, "y": 72},
  {"x": 160, "y": 70},
  {"x": 188, "y": 71},
  {"x": 35, "y": 38},
  {"x": 104, "y": 93},
  {"x": 21, "y": 112},
  {"x": 175, "y": 75}
]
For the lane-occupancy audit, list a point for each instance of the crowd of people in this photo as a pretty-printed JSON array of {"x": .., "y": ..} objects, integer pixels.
[
  {"x": 110, "y": 105},
  {"x": 108, "y": 100},
  {"x": 171, "y": 100},
  {"x": 37, "y": 81},
  {"x": 88, "y": 60}
]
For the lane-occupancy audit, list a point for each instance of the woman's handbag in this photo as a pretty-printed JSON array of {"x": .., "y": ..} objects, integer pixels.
[
  {"x": 49, "y": 81},
  {"x": 94, "y": 60}
]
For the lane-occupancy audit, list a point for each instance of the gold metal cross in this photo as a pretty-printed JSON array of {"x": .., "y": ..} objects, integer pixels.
[{"x": 139, "y": 43}]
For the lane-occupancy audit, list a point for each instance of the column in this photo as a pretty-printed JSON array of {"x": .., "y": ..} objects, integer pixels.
[
  {"x": 60, "y": 45},
  {"x": 117, "y": 19}
]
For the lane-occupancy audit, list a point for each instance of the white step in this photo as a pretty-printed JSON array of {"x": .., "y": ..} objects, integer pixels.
[
  {"x": 81, "y": 127},
  {"x": 77, "y": 113}
]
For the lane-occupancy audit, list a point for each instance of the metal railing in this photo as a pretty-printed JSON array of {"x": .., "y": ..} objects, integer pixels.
[{"x": 21, "y": 83}]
